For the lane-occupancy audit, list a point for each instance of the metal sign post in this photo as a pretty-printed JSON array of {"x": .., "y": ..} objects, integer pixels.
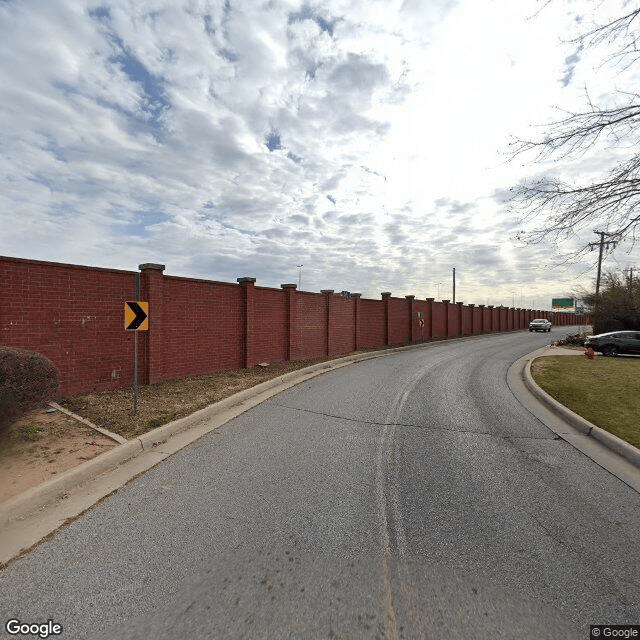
[
  {"x": 135, "y": 353},
  {"x": 136, "y": 318},
  {"x": 135, "y": 372}
]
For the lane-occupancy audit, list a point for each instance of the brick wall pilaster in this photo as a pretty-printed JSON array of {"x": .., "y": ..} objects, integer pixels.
[
  {"x": 447, "y": 304},
  {"x": 290, "y": 293},
  {"x": 328, "y": 293},
  {"x": 413, "y": 325},
  {"x": 430, "y": 303},
  {"x": 151, "y": 342},
  {"x": 385, "y": 301},
  {"x": 356, "y": 319},
  {"x": 248, "y": 297}
]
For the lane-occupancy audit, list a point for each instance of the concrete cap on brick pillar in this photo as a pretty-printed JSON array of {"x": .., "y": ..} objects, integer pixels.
[
  {"x": 289, "y": 286},
  {"x": 459, "y": 303},
  {"x": 326, "y": 291},
  {"x": 410, "y": 297},
  {"x": 471, "y": 306},
  {"x": 490, "y": 306},
  {"x": 447, "y": 301},
  {"x": 386, "y": 294},
  {"x": 243, "y": 280},
  {"x": 151, "y": 265},
  {"x": 356, "y": 295},
  {"x": 481, "y": 306},
  {"x": 429, "y": 299}
]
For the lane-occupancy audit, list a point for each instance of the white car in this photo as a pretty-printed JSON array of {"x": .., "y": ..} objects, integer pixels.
[{"x": 540, "y": 324}]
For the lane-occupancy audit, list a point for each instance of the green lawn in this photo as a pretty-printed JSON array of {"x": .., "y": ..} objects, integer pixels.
[{"x": 605, "y": 391}]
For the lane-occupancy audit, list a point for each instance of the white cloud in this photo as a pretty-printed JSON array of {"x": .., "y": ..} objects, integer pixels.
[{"x": 226, "y": 139}]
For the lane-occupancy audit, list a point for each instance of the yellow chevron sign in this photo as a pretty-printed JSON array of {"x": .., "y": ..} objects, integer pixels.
[{"x": 136, "y": 316}]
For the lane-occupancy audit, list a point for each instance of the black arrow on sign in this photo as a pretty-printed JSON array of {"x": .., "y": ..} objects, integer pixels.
[{"x": 141, "y": 316}]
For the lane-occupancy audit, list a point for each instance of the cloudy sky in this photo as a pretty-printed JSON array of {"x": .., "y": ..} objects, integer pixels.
[{"x": 367, "y": 141}]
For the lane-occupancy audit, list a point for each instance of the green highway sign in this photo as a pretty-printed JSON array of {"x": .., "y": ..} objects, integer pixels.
[{"x": 562, "y": 303}]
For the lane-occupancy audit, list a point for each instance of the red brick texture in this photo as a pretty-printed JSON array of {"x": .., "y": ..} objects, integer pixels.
[{"x": 74, "y": 315}]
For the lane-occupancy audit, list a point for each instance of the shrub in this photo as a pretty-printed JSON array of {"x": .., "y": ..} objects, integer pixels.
[
  {"x": 572, "y": 339},
  {"x": 27, "y": 380},
  {"x": 617, "y": 308}
]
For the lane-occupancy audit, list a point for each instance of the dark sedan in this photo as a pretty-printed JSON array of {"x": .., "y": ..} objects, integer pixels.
[{"x": 615, "y": 342}]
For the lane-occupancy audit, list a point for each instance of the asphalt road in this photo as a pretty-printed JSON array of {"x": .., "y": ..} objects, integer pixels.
[{"x": 409, "y": 496}]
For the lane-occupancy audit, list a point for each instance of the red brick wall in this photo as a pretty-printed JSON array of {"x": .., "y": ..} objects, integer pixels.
[
  {"x": 453, "y": 319},
  {"x": 270, "y": 321},
  {"x": 467, "y": 316},
  {"x": 74, "y": 315},
  {"x": 343, "y": 329},
  {"x": 399, "y": 328},
  {"x": 439, "y": 320},
  {"x": 312, "y": 325},
  {"x": 370, "y": 324},
  {"x": 424, "y": 332},
  {"x": 201, "y": 327}
]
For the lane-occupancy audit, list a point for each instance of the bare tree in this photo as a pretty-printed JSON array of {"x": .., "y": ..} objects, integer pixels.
[{"x": 612, "y": 201}]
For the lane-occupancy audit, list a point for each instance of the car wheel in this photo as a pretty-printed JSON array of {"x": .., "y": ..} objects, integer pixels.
[
  {"x": 610, "y": 351},
  {"x": 549, "y": 330}
]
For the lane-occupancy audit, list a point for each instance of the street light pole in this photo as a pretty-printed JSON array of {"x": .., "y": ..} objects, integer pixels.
[
  {"x": 300, "y": 277},
  {"x": 454, "y": 285}
]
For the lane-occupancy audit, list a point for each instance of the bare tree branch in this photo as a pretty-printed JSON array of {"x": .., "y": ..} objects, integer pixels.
[
  {"x": 619, "y": 29},
  {"x": 614, "y": 199},
  {"x": 578, "y": 131}
]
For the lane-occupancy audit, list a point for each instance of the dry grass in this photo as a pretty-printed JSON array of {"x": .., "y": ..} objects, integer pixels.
[{"x": 166, "y": 401}]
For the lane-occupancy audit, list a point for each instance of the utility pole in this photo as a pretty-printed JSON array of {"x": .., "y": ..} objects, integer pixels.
[
  {"x": 454, "y": 285},
  {"x": 602, "y": 244}
]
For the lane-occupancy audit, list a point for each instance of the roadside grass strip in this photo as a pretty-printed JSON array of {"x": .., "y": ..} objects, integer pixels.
[
  {"x": 172, "y": 399},
  {"x": 604, "y": 391}
]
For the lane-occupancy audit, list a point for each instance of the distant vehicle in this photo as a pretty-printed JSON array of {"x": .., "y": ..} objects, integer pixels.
[
  {"x": 615, "y": 342},
  {"x": 540, "y": 324}
]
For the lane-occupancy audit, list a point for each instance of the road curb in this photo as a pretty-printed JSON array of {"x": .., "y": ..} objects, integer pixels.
[
  {"x": 33, "y": 499},
  {"x": 619, "y": 446},
  {"x": 28, "y": 518},
  {"x": 39, "y": 497}
]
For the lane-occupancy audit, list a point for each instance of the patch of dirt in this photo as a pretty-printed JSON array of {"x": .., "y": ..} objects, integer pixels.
[
  {"x": 41, "y": 445},
  {"x": 538, "y": 366}
]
